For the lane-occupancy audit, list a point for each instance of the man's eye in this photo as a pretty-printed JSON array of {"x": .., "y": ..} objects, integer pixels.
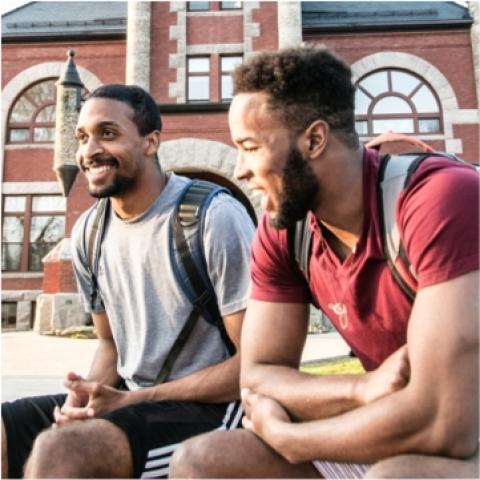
[
  {"x": 81, "y": 137},
  {"x": 108, "y": 134},
  {"x": 250, "y": 149}
]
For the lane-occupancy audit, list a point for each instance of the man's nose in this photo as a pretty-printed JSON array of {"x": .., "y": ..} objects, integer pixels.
[
  {"x": 90, "y": 148},
  {"x": 241, "y": 171}
]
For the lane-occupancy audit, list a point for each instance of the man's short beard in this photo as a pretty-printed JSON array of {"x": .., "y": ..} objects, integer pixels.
[
  {"x": 119, "y": 186},
  {"x": 300, "y": 191}
]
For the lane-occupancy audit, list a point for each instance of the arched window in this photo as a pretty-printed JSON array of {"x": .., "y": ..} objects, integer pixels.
[
  {"x": 32, "y": 117},
  {"x": 394, "y": 100}
]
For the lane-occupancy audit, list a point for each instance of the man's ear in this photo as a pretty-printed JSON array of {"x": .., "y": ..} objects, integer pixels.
[
  {"x": 315, "y": 138},
  {"x": 152, "y": 142}
]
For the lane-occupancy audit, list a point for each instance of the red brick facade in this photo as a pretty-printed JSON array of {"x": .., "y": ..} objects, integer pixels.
[{"x": 448, "y": 50}]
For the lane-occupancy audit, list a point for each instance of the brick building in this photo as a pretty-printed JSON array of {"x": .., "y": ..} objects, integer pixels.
[{"x": 416, "y": 65}]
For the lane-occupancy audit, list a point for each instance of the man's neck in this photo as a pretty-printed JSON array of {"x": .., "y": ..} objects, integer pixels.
[
  {"x": 340, "y": 206},
  {"x": 137, "y": 200}
]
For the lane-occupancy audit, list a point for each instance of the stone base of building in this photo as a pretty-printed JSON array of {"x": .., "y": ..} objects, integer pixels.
[{"x": 58, "y": 311}]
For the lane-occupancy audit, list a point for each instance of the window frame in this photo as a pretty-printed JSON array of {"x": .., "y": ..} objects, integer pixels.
[
  {"x": 32, "y": 124},
  {"x": 415, "y": 116},
  {"x": 222, "y": 72},
  {"x": 28, "y": 214},
  {"x": 209, "y": 7},
  {"x": 223, "y": 8},
  {"x": 207, "y": 74}
]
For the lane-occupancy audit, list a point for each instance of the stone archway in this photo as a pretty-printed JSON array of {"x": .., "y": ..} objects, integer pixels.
[{"x": 194, "y": 154}]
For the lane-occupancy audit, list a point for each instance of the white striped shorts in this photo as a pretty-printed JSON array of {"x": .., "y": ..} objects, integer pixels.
[
  {"x": 341, "y": 469},
  {"x": 156, "y": 429}
]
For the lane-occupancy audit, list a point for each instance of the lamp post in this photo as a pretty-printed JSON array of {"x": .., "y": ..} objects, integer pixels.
[{"x": 69, "y": 89}]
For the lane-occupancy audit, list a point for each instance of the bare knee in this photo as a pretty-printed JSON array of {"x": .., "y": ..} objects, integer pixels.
[
  {"x": 424, "y": 466},
  {"x": 193, "y": 458},
  {"x": 389, "y": 468},
  {"x": 77, "y": 448},
  {"x": 42, "y": 463}
]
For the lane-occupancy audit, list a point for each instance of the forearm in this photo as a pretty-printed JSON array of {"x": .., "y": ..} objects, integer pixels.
[
  {"x": 215, "y": 384},
  {"x": 305, "y": 396},
  {"x": 397, "y": 424},
  {"x": 104, "y": 365}
]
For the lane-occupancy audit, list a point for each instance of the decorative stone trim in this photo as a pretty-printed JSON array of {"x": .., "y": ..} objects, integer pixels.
[
  {"x": 30, "y": 146},
  {"x": 204, "y": 155},
  {"x": 20, "y": 295},
  {"x": 219, "y": 48},
  {"x": 138, "y": 44},
  {"x": 21, "y": 275},
  {"x": 250, "y": 29},
  {"x": 434, "y": 77},
  {"x": 178, "y": 60},
  {"x": 289, "y": 24},
  {"x": 10, "y": 188}
]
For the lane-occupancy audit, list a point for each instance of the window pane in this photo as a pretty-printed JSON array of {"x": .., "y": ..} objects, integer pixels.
[
  {"x": 198, "y": 65},
  {"x": 403, "y": 82},
  {"x": 362, "y": 102},
  {"x": 429, "y": 125},
  {"x": 19, "y": 135},
  {"x": 397, "y": 125},
  {"x": 229, "y": 63},
  {"x": 49, "y": 203},
  {"x": 193, "y": 6},
  {"x": 9, "y": 314},
  {"x": 12, "y": 229},
  {"x": 391, "y": 105},
  {"x": 14, "y": 204},
  {"x": 376, "y": 83},
  {"x": 47, "y": 114},
  {"x": 35, "y": 254},
  {"x": 230, "y": 5},
  {"x": 227, "y": 87},
  {"x": 22, "y": 111},
  {"x": 425, "y": 101},
  {"x": 198, "y": 88},
  {"x": 361, "y": 127},
  {"x": 43, "y": 92},
  {"x": 43, "y": 134},
  {"x": 11, "y": 253},
  {"x": 47, "y": 229}
]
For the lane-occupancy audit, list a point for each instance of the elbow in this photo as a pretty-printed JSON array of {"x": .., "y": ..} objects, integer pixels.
[{"x": 454, "y": 435}]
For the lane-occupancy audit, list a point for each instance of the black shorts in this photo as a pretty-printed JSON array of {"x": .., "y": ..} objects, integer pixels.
[{"x": 154, "y": 429}]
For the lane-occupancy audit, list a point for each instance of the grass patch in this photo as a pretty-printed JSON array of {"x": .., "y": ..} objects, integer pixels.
[{"x": 334, "y": 366}]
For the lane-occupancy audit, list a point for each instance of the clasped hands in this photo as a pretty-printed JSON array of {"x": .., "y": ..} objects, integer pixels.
[
  {"x": 87, "y": 399},
  {"x": 263, "y": 413}
]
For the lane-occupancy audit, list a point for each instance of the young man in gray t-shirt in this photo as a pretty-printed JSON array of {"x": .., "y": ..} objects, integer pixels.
[{"x": 138, "y": 312}]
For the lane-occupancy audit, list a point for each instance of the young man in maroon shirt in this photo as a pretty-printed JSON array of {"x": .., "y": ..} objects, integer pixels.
[{"x": 415, "y": 412}]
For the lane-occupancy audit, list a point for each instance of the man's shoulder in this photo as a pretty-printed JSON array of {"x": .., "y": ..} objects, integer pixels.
[{"x": 80, "y": 225}]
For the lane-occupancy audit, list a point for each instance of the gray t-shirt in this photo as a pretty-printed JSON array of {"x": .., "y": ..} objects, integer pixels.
[{"x": 139, "y": 293}]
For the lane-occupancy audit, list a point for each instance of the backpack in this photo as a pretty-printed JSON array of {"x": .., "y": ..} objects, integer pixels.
[
  {"x": 394, "y": 175},
  {"x": 188, "y": 261}
]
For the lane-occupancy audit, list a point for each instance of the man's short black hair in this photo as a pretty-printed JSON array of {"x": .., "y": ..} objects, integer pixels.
[
  {"x": 304, "y": 84},
  {"x": 146, "y": 115}
]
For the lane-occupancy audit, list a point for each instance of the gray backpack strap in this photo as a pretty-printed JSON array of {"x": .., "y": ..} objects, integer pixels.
[
  {"x": 394, "y": 176},
  {"x": 189, "y": 266}
]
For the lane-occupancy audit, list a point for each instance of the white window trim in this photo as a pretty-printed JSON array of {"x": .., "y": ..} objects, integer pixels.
[{"x": 451, "y": 112}]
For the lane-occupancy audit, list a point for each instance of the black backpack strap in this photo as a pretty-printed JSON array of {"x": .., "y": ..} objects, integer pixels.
[
  {"x": 191, "y": 273},
  {"x": 300, "y": 247},
  {"x": 394, "y": 175},
  {"x": 94, "y": 241}
]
